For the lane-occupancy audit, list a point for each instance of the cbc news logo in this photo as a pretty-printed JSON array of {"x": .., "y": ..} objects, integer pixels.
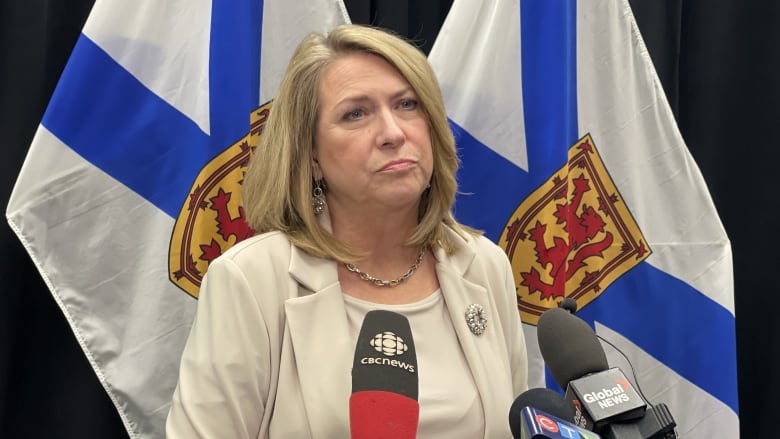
[{"x": 389, "y": 344}]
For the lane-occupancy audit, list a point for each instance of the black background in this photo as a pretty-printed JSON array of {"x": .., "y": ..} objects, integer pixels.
[{"x": 719, "y": 66}]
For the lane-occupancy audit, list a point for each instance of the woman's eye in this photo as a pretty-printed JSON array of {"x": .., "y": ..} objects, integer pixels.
[
  {"x": 408, "y": 104},
  {"x": 354, "y": 114}
]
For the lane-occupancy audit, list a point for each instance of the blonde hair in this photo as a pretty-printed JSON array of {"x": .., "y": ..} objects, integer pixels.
[{"x": 277, "y": 188}]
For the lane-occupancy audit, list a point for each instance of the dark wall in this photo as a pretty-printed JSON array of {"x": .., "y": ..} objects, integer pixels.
[
  {"x": 718, "y": 64},
  {"x": 729, "y": 108}
]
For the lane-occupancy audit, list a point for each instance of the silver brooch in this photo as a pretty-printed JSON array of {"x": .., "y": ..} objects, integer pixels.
[{"x": 475, "y": 318}]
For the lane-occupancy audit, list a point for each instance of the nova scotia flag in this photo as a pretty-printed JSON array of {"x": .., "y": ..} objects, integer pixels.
[
  {"x": 572, "y": 162},
  {"x": 153, "y": 91}
]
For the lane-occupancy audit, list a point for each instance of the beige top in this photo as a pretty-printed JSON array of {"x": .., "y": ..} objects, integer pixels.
[{"x": 449, "y": 403}]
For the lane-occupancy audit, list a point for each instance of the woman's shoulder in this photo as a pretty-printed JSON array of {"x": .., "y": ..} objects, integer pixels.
[
  {"x": 262, "y": 246},
  {"x": 477, "y": 243}
]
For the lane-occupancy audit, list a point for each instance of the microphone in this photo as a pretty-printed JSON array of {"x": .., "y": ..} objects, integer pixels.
[
  {"x": 604, "y": 400},
  {"x": 569, "y": 347},
  {"x": 384, "y": 401},
  {"x": 578, "y": 364},
  {"x": 543, "y": 414}
]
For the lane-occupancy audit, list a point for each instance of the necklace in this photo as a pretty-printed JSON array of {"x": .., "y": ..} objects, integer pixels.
[{"x": 389, "y": 283}]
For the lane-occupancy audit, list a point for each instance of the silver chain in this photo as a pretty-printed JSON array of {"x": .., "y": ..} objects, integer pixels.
[{"x": 389, "y": 283}]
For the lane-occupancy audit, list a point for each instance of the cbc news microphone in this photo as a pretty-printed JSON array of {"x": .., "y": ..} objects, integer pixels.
[
  {"x": 385, "y": 385},
  {"x": 604, "y": 399},
  {"x": 543, "y": 414}
]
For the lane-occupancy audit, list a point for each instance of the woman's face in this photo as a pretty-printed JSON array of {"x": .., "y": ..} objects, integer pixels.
[{"x": 372, "y": 141}]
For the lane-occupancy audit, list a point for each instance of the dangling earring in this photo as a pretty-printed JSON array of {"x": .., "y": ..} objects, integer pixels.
[{"x": 318, "y": 198}]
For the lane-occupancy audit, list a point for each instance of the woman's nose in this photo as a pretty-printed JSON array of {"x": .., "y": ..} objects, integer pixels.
[{"x": 389, "y": 133}]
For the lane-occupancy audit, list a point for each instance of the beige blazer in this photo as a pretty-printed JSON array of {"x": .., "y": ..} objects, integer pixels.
[{"x": 270, "y": 354}]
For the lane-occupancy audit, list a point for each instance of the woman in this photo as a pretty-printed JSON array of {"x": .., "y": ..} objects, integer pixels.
[{"x": 352, "y": 188}]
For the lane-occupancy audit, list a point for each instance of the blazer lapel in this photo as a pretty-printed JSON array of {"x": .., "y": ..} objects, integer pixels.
[
  {"x": 480, "y": 350},
  {"x": 321, "y": 343}
]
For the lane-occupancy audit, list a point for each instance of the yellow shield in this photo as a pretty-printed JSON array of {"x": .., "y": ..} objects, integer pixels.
[
  {"x": 572, "y": 237},
  {"x": 211, "y": 219}
]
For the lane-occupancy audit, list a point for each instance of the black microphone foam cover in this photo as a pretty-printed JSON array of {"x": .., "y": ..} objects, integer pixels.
[
  {"x": 385, "y": 357},
  {"x": 569, "y": 346},
  {"x": 568, "y": 304},
  {"x": 385, "y": 384}
]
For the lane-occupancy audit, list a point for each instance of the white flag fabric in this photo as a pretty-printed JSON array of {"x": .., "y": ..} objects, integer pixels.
[
  {"x": 572, "y": 161},
  {"x": 115, "y": 186}
]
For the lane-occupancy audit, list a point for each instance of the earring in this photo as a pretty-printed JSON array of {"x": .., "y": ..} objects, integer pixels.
[{"x": 318, "y": 198}]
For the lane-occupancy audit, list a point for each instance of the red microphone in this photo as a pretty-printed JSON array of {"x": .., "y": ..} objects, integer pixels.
[{"x": 385, "y": 384}]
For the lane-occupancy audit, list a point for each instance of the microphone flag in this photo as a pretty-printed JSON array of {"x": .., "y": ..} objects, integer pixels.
[
  {"x": 536, "y": 424},
  {"x": 604, "y": 397},
  {"x": 385, "y": 385}
]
